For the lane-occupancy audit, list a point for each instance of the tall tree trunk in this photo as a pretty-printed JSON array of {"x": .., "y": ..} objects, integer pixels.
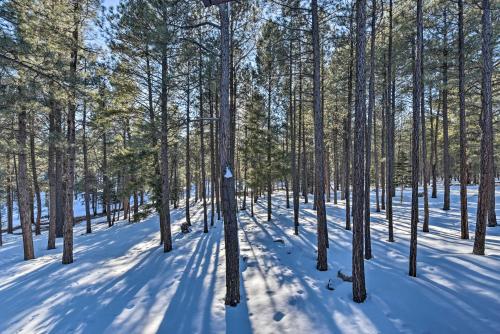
[
  {"x": 23, "y": 187},
  {"x": 59, "y": 163},
  {"x": 415, "y": 170},
  {"x": 106, "y": 182},
  {"x": 165, "y": 187},
  {"x": 71, "y": 142},
  {"x": 322, "y": 264},
  {"x": 347, "y": 130},
  {"x": 383, "y": 139},
  {"x": 295, "y": 172},
  {"x": 269, "y": 168},
  {"x": 486, "y": 162},
  {"x": 34, "y": 174},
  {"x": 464, "y": 223},
  {"x": 188, "y": 147},
  {"x": 202, "y": 146},
  {"x": 389, "y": 114},
  {"x": 434, "y": 144},
  {"x": 10, "y": 199},
  {"x": 358, "y": 271},
  {"x": 213, "y": 176},
  {"x": 51, "y": 242},
  {"x": 368, "y": 132},
  {"x": 227, "y": 189},
  {"x": 376, "y": 161},
  {"x": 425, "y": 171},
  {"x": 86, "y": 176},
  {"x": 305, "y": 189},
  {"x": 446, "y": 145}
]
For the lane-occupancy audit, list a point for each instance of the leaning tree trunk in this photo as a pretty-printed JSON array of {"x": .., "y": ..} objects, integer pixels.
[
  {"x": 358, "y": 271},
  {"x": 464, "y": 224},
  {"x": 226, "y": 164},
  {"x": 322, "y": 264},
  {"x": 486, "y": 162}
]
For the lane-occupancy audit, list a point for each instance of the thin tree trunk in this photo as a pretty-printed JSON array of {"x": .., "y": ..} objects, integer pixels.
[
  {"x": 347, "y": 131},
  {"x": 464, "y": 223},
  {"x": 59, "y": 163},
  {"x": 86, "y": 177},
  {"x": 446, "y": 145},
  {"x": 213, "y": 176},
  {"x": 389, "y": 114},
  {"x": 106, "y": 186},
  {"x": 10, "y": 199},
  {"x": 368, "y": 132},
  {"x": 34, "y": 174},
  {"x": 269, "y": 183},
  {"x": 202, "y": 146},
  {"x": 425, "y": 168},
  {"x": 415, "y": 171},
  {"x": 188, "y": 148},
  {"x": 165, "y": 187}
]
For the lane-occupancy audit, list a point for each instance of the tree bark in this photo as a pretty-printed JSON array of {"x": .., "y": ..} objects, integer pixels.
[
  {"x": 165, "y": 186},
  {"x": 347, "y": 130},
  {"x": 34, "y": 174},
  {"x": 415, "y": 170},
  {"x": 390, "y": 134},
  {"x": 23, "y": 187},
  {"x": 71, "y": 143},
  {"x": 358, "y": 271},
  {"x": 464, "y": 223},
  {"x": 10, "y": 199},
  {"x": 368, "y": 131},
  {"x": 322, "y": 264},
  {"x": 486, "y": 162},
  {"x": 293, "y": 139},
  {"x": 202, "y": 145},
  {"x": 188, "y": 147},
  {"x": 227, "y": 189},
  {"x": 269, "y": 161},
  {"x": 446, "y": 145}
]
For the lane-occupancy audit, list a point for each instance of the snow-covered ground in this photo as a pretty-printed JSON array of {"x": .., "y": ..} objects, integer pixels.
[{"x": 122, "y": 282}]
